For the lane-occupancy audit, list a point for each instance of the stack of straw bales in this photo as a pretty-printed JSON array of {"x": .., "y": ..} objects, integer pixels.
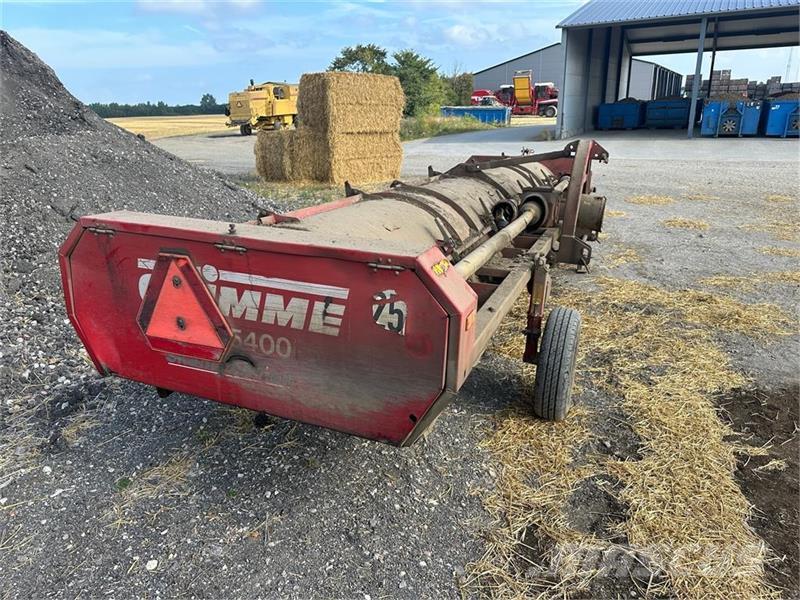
[{"x": 349, "y": 126}]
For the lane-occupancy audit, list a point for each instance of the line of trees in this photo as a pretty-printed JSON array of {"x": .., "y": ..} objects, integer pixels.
[
  {"x": 426, "y": 89},
  {"x": 208, "y": 106}
]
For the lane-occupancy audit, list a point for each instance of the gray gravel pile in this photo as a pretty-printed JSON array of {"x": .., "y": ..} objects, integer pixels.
[
  {"x": 33, "y": 100},
  {"x": 58, "y": 161},
  {"x": 106, "y": 490}
]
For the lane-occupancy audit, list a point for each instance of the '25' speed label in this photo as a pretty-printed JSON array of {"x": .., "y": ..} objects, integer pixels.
[{"x": 389, "y": 313}]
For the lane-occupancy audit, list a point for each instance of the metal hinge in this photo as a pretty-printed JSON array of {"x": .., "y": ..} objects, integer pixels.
[
  {"x": 229, "y": 247},
  {"x": 376, "y": 266},
  {"x": 101, "y": 230}
]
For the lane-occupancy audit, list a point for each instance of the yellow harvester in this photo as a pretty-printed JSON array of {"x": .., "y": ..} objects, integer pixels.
[{"x": 266, "y": 105}]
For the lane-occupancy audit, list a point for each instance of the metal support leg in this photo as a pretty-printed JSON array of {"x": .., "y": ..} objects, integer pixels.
[
  {"x": 696, "y": 84},
  {"x": 540, "y": 292},
  {"x": 713, "y": 57}
]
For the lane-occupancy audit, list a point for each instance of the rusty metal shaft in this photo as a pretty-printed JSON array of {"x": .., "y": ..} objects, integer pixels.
[{"x": 473, "y": 261}]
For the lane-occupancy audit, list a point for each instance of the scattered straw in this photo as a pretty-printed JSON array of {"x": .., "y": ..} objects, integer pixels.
[
  {"x": 655, "y": 349},
  {"x": 685, "y": 507},
  {"x": 620, "y": 257},
  {"x": 777, "y": 251},
  {"x": 686, "y": 224},
  {"x": 789, "y": 277},
  {"x": 79, "y": 425},
  {"x": 751, "y": 282},
  {"x": 615, "y": 213},
  {"x": 780, "y": 230},
  {"x": 776, "y": 464},
  {"x": 528, "y": 450},
  {"x": 779, "y": 198},
  {"x": 165, "y": 480},
  {"x": 650, "y": 200},
  {"x": 728, "y": 281}
]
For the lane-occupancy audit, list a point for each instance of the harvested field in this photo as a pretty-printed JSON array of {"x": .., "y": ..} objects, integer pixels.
[
  {"x": 161, "y": 127},
  {"x": 344, "y": 134}
]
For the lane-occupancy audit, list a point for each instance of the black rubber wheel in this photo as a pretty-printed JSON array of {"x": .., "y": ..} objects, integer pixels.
[
  {"x": 550, "y": 112},
  {"x": 555, "y": 370},
  {"x": 246, "y": 129}
]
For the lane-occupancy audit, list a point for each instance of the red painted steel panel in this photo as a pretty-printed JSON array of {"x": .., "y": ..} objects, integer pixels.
[{"x": 324, "y": 340}]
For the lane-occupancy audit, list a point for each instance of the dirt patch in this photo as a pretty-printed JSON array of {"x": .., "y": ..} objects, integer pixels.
[{"x": 772, "y": 482}]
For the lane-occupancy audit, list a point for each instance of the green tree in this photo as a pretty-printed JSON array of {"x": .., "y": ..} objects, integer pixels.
[
  {"x": 420, "y": 81},
  {"x": 363, "y": 58},
  {"x": 424, "y": 89},
  {"x": 208, "y": 103},
  {"x": 459, "y": 87}
]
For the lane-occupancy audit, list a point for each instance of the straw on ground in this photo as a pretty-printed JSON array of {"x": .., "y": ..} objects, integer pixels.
[
  {"x": 779, "y": 198},
  {"x": 655, "y": 350},
  {"x": 686, "y": 224},
  {"x": 779, "y": 251},
  {"x": 650, "y": 200}
]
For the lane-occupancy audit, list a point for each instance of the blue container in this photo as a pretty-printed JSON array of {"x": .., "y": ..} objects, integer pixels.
[
  {"x": 496, "y": 115},
  {"x": 781, "y": 118},
  {"x": 620, "y": 115},
  {"x": 725, "y": 117},
  {"x": 667, "y": 113}
]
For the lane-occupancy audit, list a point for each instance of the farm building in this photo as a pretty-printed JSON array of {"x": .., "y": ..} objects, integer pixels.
[
  {"x": 648, "y": 80},
  {"x": 602, "y": 38}
]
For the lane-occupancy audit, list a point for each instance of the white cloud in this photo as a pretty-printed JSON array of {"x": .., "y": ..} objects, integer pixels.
[
  {"x": 98, "y": 48},
  {"x": 176, "y": 6},
  {"x": 195, "y": 7}
]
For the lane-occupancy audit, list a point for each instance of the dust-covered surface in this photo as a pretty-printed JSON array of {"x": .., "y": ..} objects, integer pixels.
[{"x": 107, "y": 490}]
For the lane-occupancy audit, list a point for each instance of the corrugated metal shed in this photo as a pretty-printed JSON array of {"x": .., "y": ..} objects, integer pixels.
[{"x": 600, "y": 12}]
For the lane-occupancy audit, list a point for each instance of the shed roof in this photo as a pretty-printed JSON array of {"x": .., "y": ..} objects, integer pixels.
[
  {"x": 518, "y": 57},
  {"x": 604, "y": 12}
]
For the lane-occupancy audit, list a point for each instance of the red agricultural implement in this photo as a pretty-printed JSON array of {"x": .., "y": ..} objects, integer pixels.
[
  {"x": 364, "y": 315},
  {"x": 524, "y": 97}
]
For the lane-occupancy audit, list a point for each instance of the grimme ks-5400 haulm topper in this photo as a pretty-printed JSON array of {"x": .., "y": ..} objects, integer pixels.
[{"x": 363, "y": 315}]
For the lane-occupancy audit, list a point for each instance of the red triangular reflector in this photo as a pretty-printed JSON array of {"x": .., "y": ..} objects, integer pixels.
[{"x": 178, "y": 314}]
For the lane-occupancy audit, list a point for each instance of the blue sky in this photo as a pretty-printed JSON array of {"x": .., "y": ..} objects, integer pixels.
[{"x": 132, "y": 51}]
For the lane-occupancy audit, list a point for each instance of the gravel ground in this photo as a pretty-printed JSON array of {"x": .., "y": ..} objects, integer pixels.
[{"x": 107, "y": 490}]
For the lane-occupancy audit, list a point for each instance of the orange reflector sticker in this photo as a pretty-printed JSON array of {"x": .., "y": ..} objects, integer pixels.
[
  {"x": 178, "y": 314},
  {"x": 469, "y": 321}
]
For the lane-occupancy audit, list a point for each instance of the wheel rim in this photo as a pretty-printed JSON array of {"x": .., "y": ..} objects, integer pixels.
[{"x": 729, "y": 125}]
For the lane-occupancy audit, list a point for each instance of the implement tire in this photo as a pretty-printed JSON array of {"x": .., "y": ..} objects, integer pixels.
[{"x": 555, "y": 369}]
